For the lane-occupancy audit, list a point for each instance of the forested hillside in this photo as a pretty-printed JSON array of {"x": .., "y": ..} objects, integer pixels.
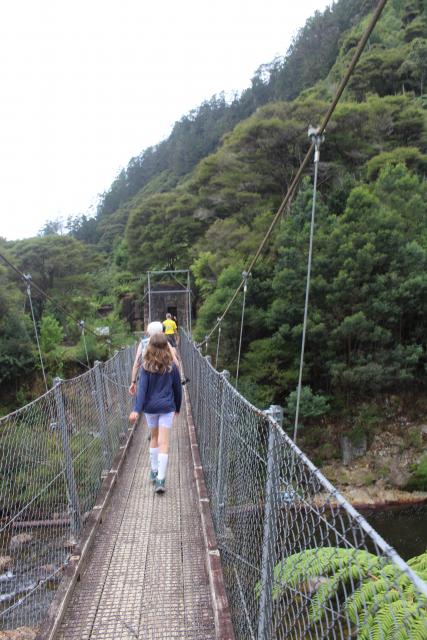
[
  {"x": 367, "y": 319},
  {"x": 204, "y": 198},
  {"x": 199, "y": 132}
]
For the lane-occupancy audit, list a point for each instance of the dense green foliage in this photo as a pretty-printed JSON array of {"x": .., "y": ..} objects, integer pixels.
[
  {"x": 418, "y": 479},
  {"x": 77, "y": 280},
  {"x": 15, "y": 343},
  {"x": 378, "y": 599},
  {"x": 198, "y": 133},
  {"x": 367, "y": 305},
  {"x": 31, "y": 455},
  {"x": 205, "y": 196}
]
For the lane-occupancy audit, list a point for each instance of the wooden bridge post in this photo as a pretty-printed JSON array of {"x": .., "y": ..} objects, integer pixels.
[
  {"x": 265, "y": 617},
  {"x": 70, "y": 482},
  {"x": 222, "y": 459}
]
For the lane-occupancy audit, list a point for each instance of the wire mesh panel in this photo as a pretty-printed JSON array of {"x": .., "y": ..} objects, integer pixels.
[
  {"x": 299, "y": 562},
  {"x": 52, "y": 456}
]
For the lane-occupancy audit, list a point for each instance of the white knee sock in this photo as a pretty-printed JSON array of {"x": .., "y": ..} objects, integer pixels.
[
  {"x": 163, "y": 463},
  {"x": 154, "y": 455}
]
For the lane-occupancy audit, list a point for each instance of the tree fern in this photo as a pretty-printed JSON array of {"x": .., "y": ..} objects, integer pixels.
[
  {"x": 379, "y": 601},
  {"x": 419, "y": 565},
  {"x": 395, "y": 621}
]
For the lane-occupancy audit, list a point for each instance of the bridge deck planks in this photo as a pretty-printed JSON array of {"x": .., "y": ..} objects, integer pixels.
[{"x": 146, "y": 575}]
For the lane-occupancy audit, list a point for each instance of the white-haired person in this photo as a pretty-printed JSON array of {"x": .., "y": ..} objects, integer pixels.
[
  {"x": 152, "y": 329},
  {"x": 159, "y": 397}
]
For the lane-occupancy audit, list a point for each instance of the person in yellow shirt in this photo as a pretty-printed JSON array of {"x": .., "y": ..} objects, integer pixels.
[{"x": 170, "y": 329}]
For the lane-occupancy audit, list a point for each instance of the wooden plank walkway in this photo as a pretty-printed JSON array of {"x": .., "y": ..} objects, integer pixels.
[{"x": 146, "y": 575}]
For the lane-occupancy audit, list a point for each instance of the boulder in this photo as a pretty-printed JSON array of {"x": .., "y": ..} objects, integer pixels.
[
  {"x": 46, "y": 570},
  {"x": 5, "y": 563},
  {"x": 20, "y": 540},
  {"x": 399, "y": 478},
  {"x": 352, "y": 449}
]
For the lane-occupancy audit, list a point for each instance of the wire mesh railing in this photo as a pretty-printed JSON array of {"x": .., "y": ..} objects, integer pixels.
[
  {"x": 54, "y": 453},
  {"x": 298, "y": 560}
]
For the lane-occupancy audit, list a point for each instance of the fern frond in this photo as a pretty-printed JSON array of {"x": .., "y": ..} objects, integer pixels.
[
  {"x": 380, "y": 601},
  {"x": 325, "y": 561},
  {"x": 419, "y": 628}
]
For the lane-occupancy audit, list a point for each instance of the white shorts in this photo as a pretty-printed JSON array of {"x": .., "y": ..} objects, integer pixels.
[{"x": 155, "y": 420}]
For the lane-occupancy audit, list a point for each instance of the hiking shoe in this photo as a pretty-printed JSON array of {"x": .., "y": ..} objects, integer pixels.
[
  {"x": 160, "y": 486},
  {"x": 153, "y": 476}
]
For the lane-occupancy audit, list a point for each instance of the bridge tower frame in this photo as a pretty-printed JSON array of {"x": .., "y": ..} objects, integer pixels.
[{"x": 171, "y": 285}]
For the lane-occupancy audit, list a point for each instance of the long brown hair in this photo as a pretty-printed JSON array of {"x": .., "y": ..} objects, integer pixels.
[{"x": 158, "y": 356}]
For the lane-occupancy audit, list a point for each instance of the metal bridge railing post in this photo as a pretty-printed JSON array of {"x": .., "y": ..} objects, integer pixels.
[
  {"x": 222, "y": 458},
  {"x": 128, "y": 360},
  {"x": 70, "y": 482},
  {"x": 265, "y": 617},
  {"x": 196, "y": 376},
  {"x": 120, "y": 378},
  {"x": 102, "y": 417},
  {"x": 204, "y": 435}
]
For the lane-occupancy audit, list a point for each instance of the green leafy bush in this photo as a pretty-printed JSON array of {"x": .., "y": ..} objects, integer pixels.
[
  {"x": 418, "y": 480},
  {"x": 311, "y": 405},
  {"x": 378, "y": 599}
]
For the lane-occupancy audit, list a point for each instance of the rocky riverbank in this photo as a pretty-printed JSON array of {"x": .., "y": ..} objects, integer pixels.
[
  {"x": 377, "y": 497},
  {"x": 380, "y": 478}
]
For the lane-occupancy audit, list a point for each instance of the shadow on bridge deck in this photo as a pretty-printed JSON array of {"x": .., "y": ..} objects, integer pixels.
[{"x": 146, "y": 575}]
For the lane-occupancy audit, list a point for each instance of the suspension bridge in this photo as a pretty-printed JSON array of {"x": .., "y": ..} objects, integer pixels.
[{"x": 250, "y": 540}]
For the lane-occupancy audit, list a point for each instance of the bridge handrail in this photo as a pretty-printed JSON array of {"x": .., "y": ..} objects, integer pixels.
[
  {"x": 298, "y": 559},
  {"x": 54, "y": 453}
]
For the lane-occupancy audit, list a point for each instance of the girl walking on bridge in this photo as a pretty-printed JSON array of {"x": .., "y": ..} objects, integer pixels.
[
  {"x": 159, "y": 397},
  {"x": 153, "y": 327}
]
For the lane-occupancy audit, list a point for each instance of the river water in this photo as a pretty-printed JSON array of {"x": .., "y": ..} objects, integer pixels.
[
  {"x": 27, "y": 588},
  {"x": 404, "y": 529}
]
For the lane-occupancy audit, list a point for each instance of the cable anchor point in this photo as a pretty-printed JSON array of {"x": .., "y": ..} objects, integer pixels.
[
  {"x": 316, "y": 139},
  {"x": 27, "y": 279},
  {"x": 245, "y": 276}
]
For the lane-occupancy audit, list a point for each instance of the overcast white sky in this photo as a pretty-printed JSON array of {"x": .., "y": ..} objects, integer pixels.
[{"x": 85, "y": 85}]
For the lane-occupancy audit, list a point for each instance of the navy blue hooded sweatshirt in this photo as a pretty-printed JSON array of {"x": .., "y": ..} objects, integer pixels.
[{"x": 159, "y": 392}]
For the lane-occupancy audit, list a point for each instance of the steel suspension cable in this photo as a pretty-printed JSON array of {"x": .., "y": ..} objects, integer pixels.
[
  {"x": 46, "y": 295},
  {"x": 245, "y": 288},
  {"x": 355, "y": 59},
  {"x": 217, "y": 346},
  {"x": 317, "y": 142},
  {"x": 27, "y": 279}
]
